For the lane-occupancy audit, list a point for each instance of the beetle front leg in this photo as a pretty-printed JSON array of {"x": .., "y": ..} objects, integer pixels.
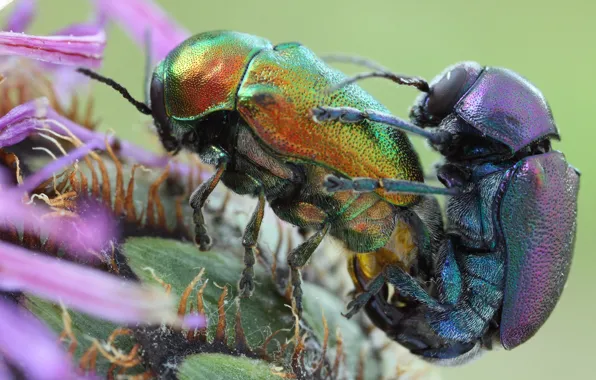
[
  {"x": 197, "y": 201},
  {"x": 298, "y": 258},
  {"x": 249, "y": 241}
]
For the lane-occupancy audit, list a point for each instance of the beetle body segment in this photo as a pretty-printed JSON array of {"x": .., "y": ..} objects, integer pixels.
[{"x": 538, "y": 215}]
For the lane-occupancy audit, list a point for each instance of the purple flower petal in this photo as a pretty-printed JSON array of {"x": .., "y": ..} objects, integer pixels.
[
  {"x": 65, "y": 79},
  {"x": 80, "y": 29},
  {"x": 5, "y": 372},
  {"x": 29, "y": 345},
  {"x": 78, "y": 234},
  {"x": 194, "y": 321},
  {"x": 25, "y": 119},
  {"x": 66, "y": 50},
  {"x": 138, "y": 17},
  {"x": 84, "y": 289},
  {"x": 4, "y": 179},
  {"x": 67, "y": 82},
  {"x": 21, "y": 16}
]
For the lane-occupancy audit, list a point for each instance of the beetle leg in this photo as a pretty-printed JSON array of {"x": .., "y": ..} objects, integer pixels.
[
  {"x": 249, "y": 241},
  {"x": 197, "y": 200},
  {"x": 409, "y": 287},
  {"x": 362, "y": 299},
  {"x": 298, "y": 258},
  {"x": 349, "y": 115},
  {"x": 364, "y": 185}
]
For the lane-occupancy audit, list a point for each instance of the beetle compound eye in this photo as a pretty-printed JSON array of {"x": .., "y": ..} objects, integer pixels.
[{"x": 446, "y": 92}]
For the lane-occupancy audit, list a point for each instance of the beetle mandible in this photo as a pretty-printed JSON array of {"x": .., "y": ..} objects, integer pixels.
[
  {"x": 244, "y": 104},
  {"x": 511, "y": 222}
]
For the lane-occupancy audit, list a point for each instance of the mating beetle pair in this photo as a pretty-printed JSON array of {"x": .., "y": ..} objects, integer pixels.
[{"x": 245, "y": 105}]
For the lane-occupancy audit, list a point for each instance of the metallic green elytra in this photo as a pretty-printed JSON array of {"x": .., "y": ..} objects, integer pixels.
[{"x": 243, "y": 105}]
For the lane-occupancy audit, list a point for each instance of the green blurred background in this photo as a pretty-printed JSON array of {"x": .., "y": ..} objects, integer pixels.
[{"x": 552, "y": 43}]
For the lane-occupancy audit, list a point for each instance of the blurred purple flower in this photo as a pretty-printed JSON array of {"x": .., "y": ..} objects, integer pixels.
[
  {"x": 21, "y": 16},
  {"x": 139, "y": 17},
  {"x": 36, "y": 115},
  {"x": 77, "y": 234},
  {"x": 84, "y": 289},
  {"x": 24, "y": 341},
  {"x": 29, "y": 345}
]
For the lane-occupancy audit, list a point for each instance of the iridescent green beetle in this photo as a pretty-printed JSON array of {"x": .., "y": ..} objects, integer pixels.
[{"x": 243, "y": 105}]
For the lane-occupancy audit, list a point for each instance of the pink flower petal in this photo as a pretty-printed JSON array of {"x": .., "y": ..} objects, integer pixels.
[
  {"x": 84, "y": 289},
  {"x": 28, "y": 344},
  {"x": 21, "y": 16},
  {"x": 66, "y": 50},
  {"x": 137, "y": 17}
]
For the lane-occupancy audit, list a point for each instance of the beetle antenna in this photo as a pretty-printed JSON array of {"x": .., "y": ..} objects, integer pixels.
[
  {"x": 405, "y": 80},
  {"x": 354, "y": 60},
  {"x": 142, "y": 107}
]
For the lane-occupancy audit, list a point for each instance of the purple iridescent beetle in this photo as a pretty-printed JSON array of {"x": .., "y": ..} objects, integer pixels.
[{"x": 504, "y": 260}]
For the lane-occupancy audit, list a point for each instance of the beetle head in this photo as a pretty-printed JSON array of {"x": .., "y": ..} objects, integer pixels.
[
  {"x": 446, "y": 90},
  {"x": 198, "y": 78},
  {"x": 492, "y": 103}
]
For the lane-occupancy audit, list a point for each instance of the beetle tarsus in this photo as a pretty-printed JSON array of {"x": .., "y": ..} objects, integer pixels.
[
  {"x": 247, "y": 284},
  {"x": 197, "y": 201},
  {"x": 249, "y": 241},
  {"x": 298, "y": 258},
  {"x": 363, "y": 298},
  {"x": 202, "y": 239},
  {"x": 297, "y": 291},
  {"x": 356, "y": 304}
]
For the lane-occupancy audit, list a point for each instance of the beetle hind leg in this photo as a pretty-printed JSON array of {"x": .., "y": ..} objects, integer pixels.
[
  {"x": 298, "y": 258},
  {"x": 197, "y": 201},
  {"x": 249, "y": 241}
]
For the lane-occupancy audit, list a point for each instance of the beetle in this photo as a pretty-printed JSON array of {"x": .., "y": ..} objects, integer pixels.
[
  {"x": 243, "y": 105},
  {"x": 511, "y": 221}
]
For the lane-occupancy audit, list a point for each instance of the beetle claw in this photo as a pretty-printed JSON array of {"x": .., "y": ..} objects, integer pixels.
[
  {"x": 204, "y": 242},
  {"x": 356, "y": 304},
  {"x": 246, "y": 285}
]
